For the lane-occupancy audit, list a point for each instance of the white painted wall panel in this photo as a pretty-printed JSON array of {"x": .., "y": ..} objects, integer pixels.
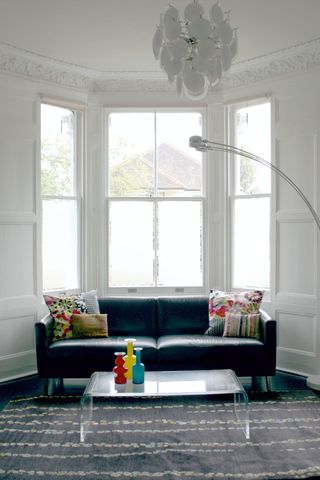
[
  {"x": 17, "y": 260},
  {"x": 296, "y": 258},
  {"x": 17, "y": 335},
  {"x": 19, "y": 140},
  {"x": 296, "y": 332},
  {"x": 17, "y": 173},
  {"x": 296, "y": 159}
]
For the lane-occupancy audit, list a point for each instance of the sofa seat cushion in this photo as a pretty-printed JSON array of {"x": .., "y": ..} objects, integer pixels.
[
  {"x": 85, "y": 355},
  {"x": 243, "y": 355}
]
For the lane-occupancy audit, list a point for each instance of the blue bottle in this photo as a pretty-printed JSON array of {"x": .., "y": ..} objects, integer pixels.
[{"x": 138, "y": 368}]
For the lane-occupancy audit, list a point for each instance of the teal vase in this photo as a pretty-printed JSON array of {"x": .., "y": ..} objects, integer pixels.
[{"x": 138, "y": 368}]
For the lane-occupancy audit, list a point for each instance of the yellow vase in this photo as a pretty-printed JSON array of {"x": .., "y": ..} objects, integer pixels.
[{"x": 129, "y": 359}]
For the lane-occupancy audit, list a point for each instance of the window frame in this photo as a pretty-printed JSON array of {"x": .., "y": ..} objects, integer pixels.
[
  {"x": 78, "y": 111},
  {"x": 231, "y": 109},
  {"x": 203, "y": 199}
]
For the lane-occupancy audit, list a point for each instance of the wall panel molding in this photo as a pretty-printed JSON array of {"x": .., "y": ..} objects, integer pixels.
[
  {"x": 302, "y": 324},
  {"x": 18, "y": 365},
  {"x": 13, "y": 307}
]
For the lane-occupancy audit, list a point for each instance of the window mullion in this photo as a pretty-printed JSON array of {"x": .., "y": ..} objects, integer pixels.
[{"x": 156, "y": 244}]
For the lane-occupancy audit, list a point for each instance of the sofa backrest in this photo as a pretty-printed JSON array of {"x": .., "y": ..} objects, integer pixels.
[
  {"x": 182, "y": 315},
  {"x": 130, "y": 316}
]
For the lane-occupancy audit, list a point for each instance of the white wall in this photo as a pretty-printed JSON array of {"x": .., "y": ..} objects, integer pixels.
[
  {"x": 295, "y": 241},
  {"x": 295, "y": 295},
  {"x": 20, "y": 235}
]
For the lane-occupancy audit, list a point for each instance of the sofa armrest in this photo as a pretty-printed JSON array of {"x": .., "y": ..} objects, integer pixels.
[
  {"x": 43, "y": 331},
  {"x": 269, "y": 338}
]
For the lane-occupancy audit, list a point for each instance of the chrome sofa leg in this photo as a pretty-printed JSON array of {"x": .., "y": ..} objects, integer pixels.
[
  {"x": 46, "y": 386},
  {"x": 268, "y": 384},
  {"x": 57, "y": 387},
  {"x": 254, "y": 383}
]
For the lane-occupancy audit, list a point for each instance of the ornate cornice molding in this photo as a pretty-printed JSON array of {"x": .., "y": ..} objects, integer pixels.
[
  {"x": 299, "y": 58},
  {"x": 18, "y": 61}
]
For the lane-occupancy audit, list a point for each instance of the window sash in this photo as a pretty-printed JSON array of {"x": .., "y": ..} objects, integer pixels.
[
  {"x": 236, "y": 197},
  {"x": 77, "y": 197},
  {"x": 200, "y": 198},
  {"x": 155, "y": 201}
]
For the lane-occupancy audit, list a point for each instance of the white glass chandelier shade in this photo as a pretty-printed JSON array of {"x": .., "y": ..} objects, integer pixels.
[{"x": 195, "y": 51}]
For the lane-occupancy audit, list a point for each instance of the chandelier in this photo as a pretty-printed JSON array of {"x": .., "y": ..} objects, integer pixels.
[{"x": 194, "y": 51}]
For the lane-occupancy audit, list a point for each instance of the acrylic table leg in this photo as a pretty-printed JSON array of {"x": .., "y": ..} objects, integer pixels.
[
  {"x": 241, "y": 409},
  {"x": 86, "y": 406}
]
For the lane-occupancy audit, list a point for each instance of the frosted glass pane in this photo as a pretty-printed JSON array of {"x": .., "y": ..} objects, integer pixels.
[
  {"x": 179, "y": 167},
  {"x": 251, "y": 249},
  {"x": 60, "y": 244},
  {"x": 131, "y": 255},
  {"x": 131, "y": 154},
  {"x": 179, "y": 243},
  {"x": 57, "y": 151},
  {"x": 253, "y": 134}
]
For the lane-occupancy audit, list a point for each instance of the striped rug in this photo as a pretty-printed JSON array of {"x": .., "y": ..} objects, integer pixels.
[{"x": 190, "y": 438}]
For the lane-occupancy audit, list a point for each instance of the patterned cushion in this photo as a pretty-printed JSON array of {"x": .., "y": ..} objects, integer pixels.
[
  {"x": 62, "y": 308},
  {"x": 89, "y": 325},
  {"x": 238, "y": 325},
  {"x": 91, "y": 301},
  {"x": 222, "y": 302}
]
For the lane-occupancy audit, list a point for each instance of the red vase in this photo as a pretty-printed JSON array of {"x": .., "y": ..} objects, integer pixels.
[{"x": 120, "y": 370}]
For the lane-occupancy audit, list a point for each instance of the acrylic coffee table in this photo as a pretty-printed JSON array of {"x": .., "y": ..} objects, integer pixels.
[{"x": 166, "y": 384}]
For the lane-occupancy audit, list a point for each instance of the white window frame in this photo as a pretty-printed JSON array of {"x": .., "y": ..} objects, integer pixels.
[
  {"x": 158, "y": 290},
  {"x": 79, "y": 119},
  {"x": 232, "y": 196}
]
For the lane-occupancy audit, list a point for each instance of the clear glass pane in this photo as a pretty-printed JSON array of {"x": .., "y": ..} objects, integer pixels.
[
  {"x": 60, "y": 244},
  {"x": 131, "y": 154},
  {"x": 253, "y": 134},
  {"x": 131, "y": 254},
  {"x": 179, "y": 167},
  {"x": 251, "y": 250},
  {"x": 57, "y": 151},
  {"x": 180, "y": 243}
]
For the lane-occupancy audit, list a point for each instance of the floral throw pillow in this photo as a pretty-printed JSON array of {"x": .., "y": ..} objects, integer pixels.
[
  {"x": 222, "y": 302},
  {"x": 62, "y": 308}
]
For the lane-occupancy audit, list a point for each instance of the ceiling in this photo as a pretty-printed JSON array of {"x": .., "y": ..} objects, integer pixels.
[{"x": 116, "y": 35}]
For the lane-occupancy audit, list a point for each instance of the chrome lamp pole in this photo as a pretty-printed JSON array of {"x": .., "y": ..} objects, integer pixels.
[{"x": 203, "y": 145}]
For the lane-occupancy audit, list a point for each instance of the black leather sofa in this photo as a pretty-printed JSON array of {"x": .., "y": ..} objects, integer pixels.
[{"x": 171, "y": 332}]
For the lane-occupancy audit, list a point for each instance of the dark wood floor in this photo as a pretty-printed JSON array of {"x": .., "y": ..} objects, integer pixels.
[{"x": 32, "y": 386}]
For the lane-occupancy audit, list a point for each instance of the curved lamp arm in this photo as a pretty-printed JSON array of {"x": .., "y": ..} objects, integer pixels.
[{"x": 203, "y": 145}]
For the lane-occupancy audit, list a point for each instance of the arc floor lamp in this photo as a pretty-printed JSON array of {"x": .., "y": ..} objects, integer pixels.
[{"x": 203, "y": 145}]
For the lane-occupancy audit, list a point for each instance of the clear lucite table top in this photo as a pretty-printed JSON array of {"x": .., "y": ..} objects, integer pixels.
[{"x": 168, "y": 383}]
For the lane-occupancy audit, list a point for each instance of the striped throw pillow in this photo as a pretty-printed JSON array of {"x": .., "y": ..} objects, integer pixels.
[
  {"x": 91, "y": 301},
  {"x": 238, "y": 325}
]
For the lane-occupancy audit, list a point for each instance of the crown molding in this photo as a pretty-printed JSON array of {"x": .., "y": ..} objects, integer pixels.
[
  {"x": 18, "y": 61},
  {"x": 298, "y": 58}
]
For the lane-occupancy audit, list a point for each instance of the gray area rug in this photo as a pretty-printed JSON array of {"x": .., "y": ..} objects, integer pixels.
[{"x": 191, "y": 438}]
